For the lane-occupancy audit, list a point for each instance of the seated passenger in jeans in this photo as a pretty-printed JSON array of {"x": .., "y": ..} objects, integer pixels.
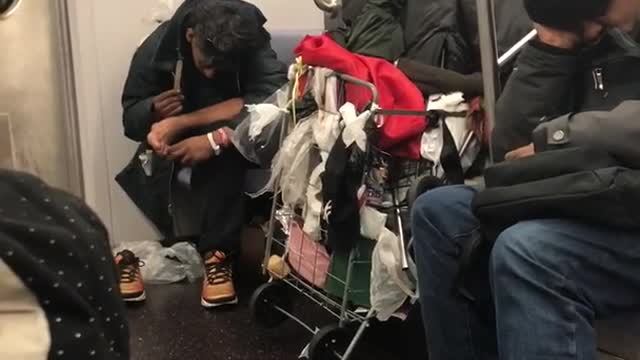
[
  {"x": 187, "y": 82},
  {"x": 548, "y": 279}
]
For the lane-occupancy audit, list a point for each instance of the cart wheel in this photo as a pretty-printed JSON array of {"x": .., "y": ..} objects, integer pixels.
[
  {"x": 420, "y": 186},
  {"x": 329, "y": 343},
  {"x": 264, "y": 302}
]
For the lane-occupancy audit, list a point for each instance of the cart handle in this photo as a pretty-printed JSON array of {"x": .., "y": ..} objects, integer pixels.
[
  {"x": 375, "y": 96},
  {"x": 356, "y": 81}
]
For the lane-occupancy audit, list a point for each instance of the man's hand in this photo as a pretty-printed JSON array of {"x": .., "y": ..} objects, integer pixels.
[
  {"x": 191, "y": 151},
  {"x": 162, "y": 134},
  {"x": 558, "y": 38},
  {"x": 167, "y": 104},
  {"x": 521, "y": 153}
]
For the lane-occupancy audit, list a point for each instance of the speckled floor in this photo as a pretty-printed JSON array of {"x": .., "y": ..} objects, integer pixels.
[{"x": 171, "y": 325}]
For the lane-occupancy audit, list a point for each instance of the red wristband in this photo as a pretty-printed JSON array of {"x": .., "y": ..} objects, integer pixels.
[{"x": 224, "y": 137}]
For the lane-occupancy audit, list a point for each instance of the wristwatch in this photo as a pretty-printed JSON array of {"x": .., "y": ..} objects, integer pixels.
[{"x": 216, "y": 148}]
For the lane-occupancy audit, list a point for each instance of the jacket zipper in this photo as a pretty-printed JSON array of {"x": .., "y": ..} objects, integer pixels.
[{"x": 598, "y": 79}]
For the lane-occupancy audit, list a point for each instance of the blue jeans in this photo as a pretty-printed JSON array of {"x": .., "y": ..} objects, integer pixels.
[{"x": 549, "y": 280}]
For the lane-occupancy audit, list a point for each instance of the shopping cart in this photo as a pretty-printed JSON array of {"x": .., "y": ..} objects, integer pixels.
[{"x": 338, "y": 283}]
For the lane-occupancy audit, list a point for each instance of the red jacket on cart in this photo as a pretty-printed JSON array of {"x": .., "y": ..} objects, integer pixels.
[{"x": 399, "y": 135}]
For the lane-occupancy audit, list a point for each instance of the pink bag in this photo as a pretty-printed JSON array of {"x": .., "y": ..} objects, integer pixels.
[{"x": 306, "y": 257}]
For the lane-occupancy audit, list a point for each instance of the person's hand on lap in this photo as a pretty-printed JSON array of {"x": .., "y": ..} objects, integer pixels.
[{"x": 521, "y": 153}]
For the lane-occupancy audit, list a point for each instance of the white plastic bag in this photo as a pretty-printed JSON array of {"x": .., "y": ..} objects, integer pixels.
[
  {"x": 260, "y": 116},
  {"x": 313, "y": 210},
  {"x": 354, "y": 126},
  {"x": 167, "y": 265},
  {"x": 291, "y": 164},
  {"x": 390, "y": 285},
  {"x": 257, "y": 134}
]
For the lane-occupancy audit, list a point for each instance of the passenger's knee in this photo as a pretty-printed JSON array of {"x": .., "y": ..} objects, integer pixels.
[
  {"x": 437, "y": 215},
  {"x": 517, "y": 248},
  {"x": 436, "y": 202}
]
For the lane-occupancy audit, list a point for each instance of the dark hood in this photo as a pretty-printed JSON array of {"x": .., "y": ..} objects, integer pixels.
[{"x": 172, "y": 43}]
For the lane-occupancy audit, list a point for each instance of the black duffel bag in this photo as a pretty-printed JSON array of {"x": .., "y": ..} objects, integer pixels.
[{"x": 588, "y": 185}]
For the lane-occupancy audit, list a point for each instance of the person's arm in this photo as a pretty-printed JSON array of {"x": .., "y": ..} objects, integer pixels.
[
  {"x": 143, "y": 84},
  {"x": 212, "y": 114},
  {"x": 616, "y": 132},
  {"x": 541, "y": 87}
]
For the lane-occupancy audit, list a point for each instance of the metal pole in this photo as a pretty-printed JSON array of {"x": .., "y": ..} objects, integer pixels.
[
  {"x": 511, "y": 53},
  {"x": 489, "y": 56}
]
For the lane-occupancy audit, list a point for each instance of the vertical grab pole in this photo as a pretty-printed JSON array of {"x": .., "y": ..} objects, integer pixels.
[{"x": 489, "y": 57}]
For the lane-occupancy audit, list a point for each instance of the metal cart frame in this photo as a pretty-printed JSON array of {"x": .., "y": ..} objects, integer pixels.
[{"x": 267, "y": 297}]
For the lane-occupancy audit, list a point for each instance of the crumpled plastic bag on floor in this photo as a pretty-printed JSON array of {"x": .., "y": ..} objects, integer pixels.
[{"x": 167, "y": 265}]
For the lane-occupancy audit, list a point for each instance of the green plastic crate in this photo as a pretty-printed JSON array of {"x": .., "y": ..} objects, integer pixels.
[{"x": 360, "y": 276}]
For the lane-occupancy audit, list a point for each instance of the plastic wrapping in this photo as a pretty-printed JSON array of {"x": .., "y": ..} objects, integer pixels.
[
  {"x": 257, "y": 136},
  {"x": 168, "y": 265},
  {"x": 390, "y": 285},
  {"x": 291, "y": 165}
]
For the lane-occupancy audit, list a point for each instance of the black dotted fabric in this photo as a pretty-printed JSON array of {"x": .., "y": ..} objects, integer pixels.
[{"x": 61, "y": 251}]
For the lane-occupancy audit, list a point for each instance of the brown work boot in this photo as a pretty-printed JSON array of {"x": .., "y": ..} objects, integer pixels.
[
  {"x": 131, "y": 285},
  {"x": 217, "y": 288}
]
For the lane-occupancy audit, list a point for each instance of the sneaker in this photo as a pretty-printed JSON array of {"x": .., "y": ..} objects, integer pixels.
[
  {"x": 131, "y": 285},
  {"x": 217, "y": 288}
]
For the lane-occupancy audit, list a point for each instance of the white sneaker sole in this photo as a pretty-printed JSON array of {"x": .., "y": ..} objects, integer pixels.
[
  {"x": 209, "y": 305},
  {"x": 140, "y": 298}
]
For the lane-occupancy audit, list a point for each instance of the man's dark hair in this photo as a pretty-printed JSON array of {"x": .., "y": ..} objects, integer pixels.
[
  {"x": 225, "y": 32},
  {"x": 565, "y": 14}
]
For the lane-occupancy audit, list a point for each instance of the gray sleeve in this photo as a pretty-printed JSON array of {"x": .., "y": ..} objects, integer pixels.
[{"x": 616, "y": 131}]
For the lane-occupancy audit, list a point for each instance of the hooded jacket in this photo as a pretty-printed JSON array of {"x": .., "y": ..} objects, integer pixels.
[
  {"x": 587, "y": 160},
  {"x": 151, "y": 73},
  {"x": 569, "y": 97}
]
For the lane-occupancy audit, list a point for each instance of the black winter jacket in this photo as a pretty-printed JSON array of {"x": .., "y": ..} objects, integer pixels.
[
  {"x": 550, "y": 83},
  {"x": 151, "y": 73},
  {"x": 583, "y": 104}
]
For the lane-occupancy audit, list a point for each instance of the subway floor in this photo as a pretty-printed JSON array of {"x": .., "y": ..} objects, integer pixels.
[{"x": 171, "y": 325}]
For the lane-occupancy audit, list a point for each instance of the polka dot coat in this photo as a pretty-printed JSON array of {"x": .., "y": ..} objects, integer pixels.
[{"x": 60, "y": 250}]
